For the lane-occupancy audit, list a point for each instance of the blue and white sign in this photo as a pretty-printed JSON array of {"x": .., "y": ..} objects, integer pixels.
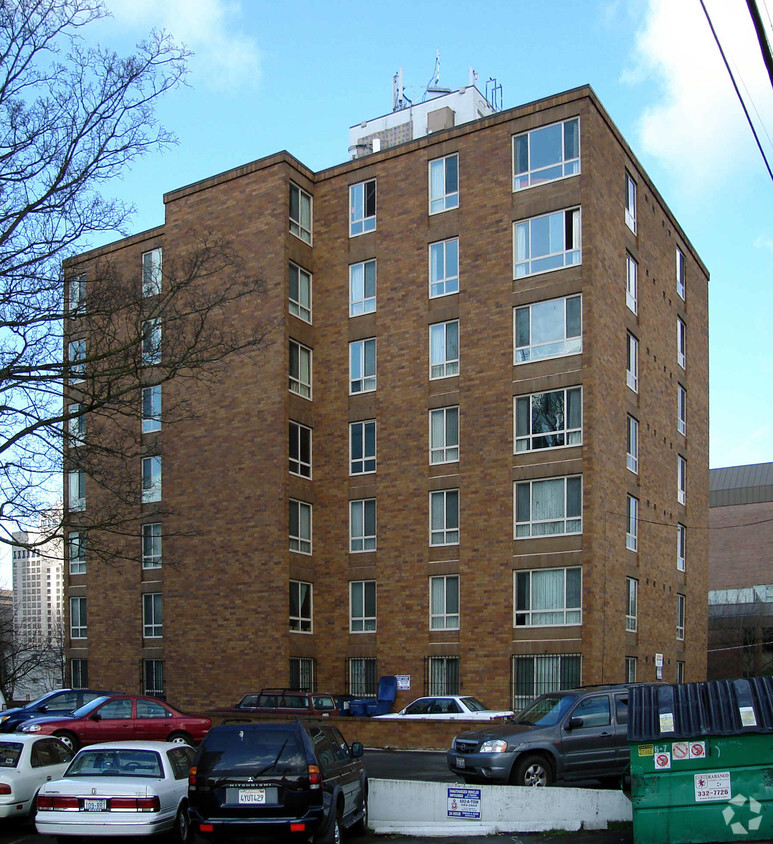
[{"x": 464, "y": 803}]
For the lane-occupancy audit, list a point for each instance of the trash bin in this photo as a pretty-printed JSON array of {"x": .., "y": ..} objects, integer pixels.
[
  {"x": 702, "y": 761},
  {"x": 385, "y": 698}
]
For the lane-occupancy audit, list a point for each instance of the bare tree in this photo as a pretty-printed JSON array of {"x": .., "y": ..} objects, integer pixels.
[{"x": 73, "y": 117}]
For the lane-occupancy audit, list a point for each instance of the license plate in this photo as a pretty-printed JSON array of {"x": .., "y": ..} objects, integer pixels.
[
  {"x": 90, "y": 805},
  {"x": 460, "y": 763},
  {"x": 252, "y": 796}
]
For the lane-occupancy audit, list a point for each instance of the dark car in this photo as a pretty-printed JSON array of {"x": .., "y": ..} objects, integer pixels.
[
  {"x": 570, "y": 735},
  {"x": 297, "y": 780},
  {"x": 289, "y": 702},
  {"x": 59, "y": 702}
]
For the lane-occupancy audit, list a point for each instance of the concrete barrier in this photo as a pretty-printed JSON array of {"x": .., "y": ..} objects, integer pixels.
[{"x": 441, "y": 808}]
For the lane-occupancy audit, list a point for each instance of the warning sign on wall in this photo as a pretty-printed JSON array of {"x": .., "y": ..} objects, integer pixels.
[
  {"x": 662, "y": 761},
  {"x": 697, "y": 749}
]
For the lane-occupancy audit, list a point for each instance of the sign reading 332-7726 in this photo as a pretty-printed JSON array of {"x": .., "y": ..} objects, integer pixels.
[{"x": 712, "y": 785}]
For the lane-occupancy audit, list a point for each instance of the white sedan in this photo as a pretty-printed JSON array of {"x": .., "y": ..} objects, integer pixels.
[
  {"x": 119, "y": 788},
  {"x": 449, "y": 707},
  {"x": 26, "y": 763}
]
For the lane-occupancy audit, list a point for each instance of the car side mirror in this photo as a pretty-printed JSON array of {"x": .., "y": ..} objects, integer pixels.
[
  {"x": 356, "y": 749},
  {"x": 95, "y": 717},
  {"x": 575, "y": 723}
]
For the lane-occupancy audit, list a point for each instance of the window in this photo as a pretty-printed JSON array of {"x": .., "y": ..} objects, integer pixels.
[
  {"x": 549, "y": 242},
  {"x": 444, "y": 435},
  {"x": 362, "y": 606},
  {"x": 444, "y": 267},
  {"x": 444, "y": 517},
  {"x": 632, "y": 524},
  {"x": 681, "y": 409},
  {"x": 632, "y": 364},
  {"x": 631, "y": 604},
  {"x": 444, "y": 602},
  {"x": 77, "y": 489},
  {"x": 300, "y": 527},
  {"x": 630, "y": 669},
  {"x": 548, "y": 597},
  {"x": 362, "y": 525},
  {"x": 681, "y": 479},
  {"x": 549, "y": 507},
  {"x": 546, "y": 154},
  {"x": 680, "y": 285},
  {"x": 548, "y": 420},
  {"x": 76, "y": 356},
  {"x": 300, "y": 606},
  {"x": 151, "y": 272},
  {"x": 443, "y": 675},
  {"x": 548, "y": 329},
  {"x": 76, "y": 541},
  {"x": 362, "y": 366},
  {"x": 79, "y": 673},
  {"x": 363, "y": 680},
  {"x": 681, "y": 539},
  {"x": 151, "y": 342},
  {"x": 362, "y": 207},
  {"x": 76, "y": 427},
  {"x": 536, "y": 675},
  {"x": 151, "y": 409},
  {"x": 681, "y": 331},
  {"x": 443, "y": 184},
  {"x": 362, "y": 447},
  {"x": 303, "y": 673},
  {"x": 299, "y": 449},
  {"x": 152, "y": 616},
  {"x": 680, "y": 602},
  {"x": 632, "y": 447},
  {"x": 77, "y": 294},
  {"x": 300, "y": 370},
  {"x": 362, "y": 288},
  {"x": 300, "y": 213},
  {"x": 631, "y": 283},
  {"x": 630, "y": 203},
  {"x": 151, "y": 479},
  {"x": 300, "y": 292},
  {"x": 153, "y": 677},
  {"x": 444, "y": 349},
  {"x": 78, "y": 618},
  {"x": 151, "y": 546},
  {"x": 679, "y": 671}
]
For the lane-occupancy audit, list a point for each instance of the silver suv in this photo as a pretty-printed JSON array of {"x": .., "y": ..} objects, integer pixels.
[{"x": 571, "y": 735}]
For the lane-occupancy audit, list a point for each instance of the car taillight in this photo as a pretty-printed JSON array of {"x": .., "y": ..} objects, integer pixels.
[
  {"x": 192, "y": 777},
  {"x": 5, "y": 788},
  {"x": 135, "y": 804},
  {"x": 315, "y": 776},
  {"x": 57, "y": 804}
]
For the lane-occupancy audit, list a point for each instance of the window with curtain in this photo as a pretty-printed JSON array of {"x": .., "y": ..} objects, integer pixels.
[
  {"x": 631, "y": 283},
  {"x": 549, "y": 507},
  {"x": 300, "y": 526},
  {"x": 444, "y": 435},
  {"x": 363, "y": 681},
  {"x": 300, "y": 606},
  {"x": 444, "y": 267},
  {"x": 300, "y": 292},
  {"x": 443, "y": 675},
  {"x": 548, "y": 420},
  {"x": 362, "y": 525},
  {"x": 536, "y": 675},
  {"x": 362, "y": 366},
  {"x": 300, "y": 213},
  {"x": 548, "y": 597},
  {"x": 362, "y": 207},
  {"x": 548, "y": 329},
  {"x": 444, "y": 349},
  {"x": 362, "y": 288},
  {"x": 443, "y": 184},
  {"x": 444, "y": 602},
  {"x": 362, "y": 606},
  {"x": 444, "y": 517}
]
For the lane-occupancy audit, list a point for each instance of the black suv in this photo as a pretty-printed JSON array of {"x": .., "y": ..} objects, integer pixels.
[
  {"x": 571, "y": 735},
  {"x": 296, "y": 780}
]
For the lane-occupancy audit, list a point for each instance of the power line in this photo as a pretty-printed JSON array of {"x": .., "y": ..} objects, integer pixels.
[{"x": 761, "y": 37}]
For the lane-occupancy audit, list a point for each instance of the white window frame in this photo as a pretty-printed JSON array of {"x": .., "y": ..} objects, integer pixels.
[
  {"x": 444, "y": 267},
  {"x": 364, "y": 594},
  {"x": 76, "y": 551},
  {"x": 299, "y": 298},
  {"x": 363, "y": 365},
  {"x": 529, "y": 319},
  {"x": 681, "y": 409},
  {"x": 442, "y": 195},
  {"x": 564, "y": 166},
  {"x": 302, "y": 225},
  {"x": 632, "y": 523},
  {"x": 360, "y": 221},
  {"x": 152, "y": 545},
  {"x": 362, "y": 287},
  {"x": 76, "y": 295},
  {"x": 443, "y": 446},
  {"x": 533, "y": 611},
  {"x": 564, "y": 242},
  {"x": 632, "y": 363},
  {"x": 76, "y": 426},
  {"x": 151, "y": 409},
  {"x": 681, "y": 288},
  {"x": 151, "y": 341},
  {"x": 443, "y": 363},
  {"x": 152, "y": 615},
  {"x": 297, "y": 433},
  {"x": 78, "y": 618},
  {"x": 444, "y": 519},
  {"x": 300, "y": 381},
  {"x": 631, "y": 283},
  {"x": 630, "y": 202},
  {"x": 681, "y": 547},
  {"x": 630, "y": 669},
  {"x": 527, "y": 408},
  {"x": 631, "y": 604},
  {"x": 151, "y": 479},
  {"x": 533, "y": 528},
  {"x": 76, "y": 357},
  {"x": 681, "y": 479},
  {"x": 444, "y": 602},
  {"x": 362, "y": 511},
  {"x": 632, "y": 445},
  {"x": 152, "y": 269},
  {"x": 301, "y": 537},
  {"x": 76, "y": 485},
  {"x": 681, "y": 342},
  {"x": 679, "y": 672},
  {"x": 300, "y": 621},
  {"x": 364, "y": 461},
  {"x": 681, "y": 602}
]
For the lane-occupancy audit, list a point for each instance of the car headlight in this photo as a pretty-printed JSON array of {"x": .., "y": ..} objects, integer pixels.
[
  {"x": 493, "y": 746},
  {"x": 32, "y": 728},
  {"x": 4, "y": 718}
]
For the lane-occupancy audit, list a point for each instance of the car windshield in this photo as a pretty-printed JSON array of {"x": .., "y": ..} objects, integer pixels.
[
  {"x": 473, "y": 704},
  {"x": 89, "y": 707},
  {"x": 123, "y": 762},
  {"x": 252, "y": 752},
  {"x": 545, "y": 711},
  {"x": 10, "y": 751},
  {"x": 323, "y": 702}
]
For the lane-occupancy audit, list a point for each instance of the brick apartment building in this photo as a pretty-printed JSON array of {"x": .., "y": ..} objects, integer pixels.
[{"x": 489, "y": 472}]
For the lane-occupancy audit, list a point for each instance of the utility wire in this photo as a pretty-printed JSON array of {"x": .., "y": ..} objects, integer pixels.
[{"x": 761, "y": 37}]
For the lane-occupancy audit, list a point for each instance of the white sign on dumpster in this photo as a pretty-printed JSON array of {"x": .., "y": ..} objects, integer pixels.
[{"x": 464, "y": 803}]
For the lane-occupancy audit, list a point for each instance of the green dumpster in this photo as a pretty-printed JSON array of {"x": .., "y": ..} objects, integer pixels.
[{"x": 702, "y": 761}]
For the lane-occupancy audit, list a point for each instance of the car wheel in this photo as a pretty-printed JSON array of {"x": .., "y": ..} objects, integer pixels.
[
  {"x": 180, "y": 738},
  {"x": 71, "y": 740},
  {"x": 182, "y": 827},
  {"x": 332, "y": 833},
  {"x": 532, "y": 771}
]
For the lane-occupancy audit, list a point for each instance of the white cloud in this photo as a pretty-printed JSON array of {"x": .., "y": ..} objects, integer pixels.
[
  {"x": 764, "y": 242},
  {"x": 697, "y": 127},
  {"x": 224, "y": 57}
]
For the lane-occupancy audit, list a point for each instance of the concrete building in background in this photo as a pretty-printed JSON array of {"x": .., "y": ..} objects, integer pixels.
[
  {"x": 475, "y": 454},
  {"x": 741, "y": 572}
]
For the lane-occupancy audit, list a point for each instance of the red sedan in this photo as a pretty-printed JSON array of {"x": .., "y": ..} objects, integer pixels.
[{"x": 120, "y": 717}]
